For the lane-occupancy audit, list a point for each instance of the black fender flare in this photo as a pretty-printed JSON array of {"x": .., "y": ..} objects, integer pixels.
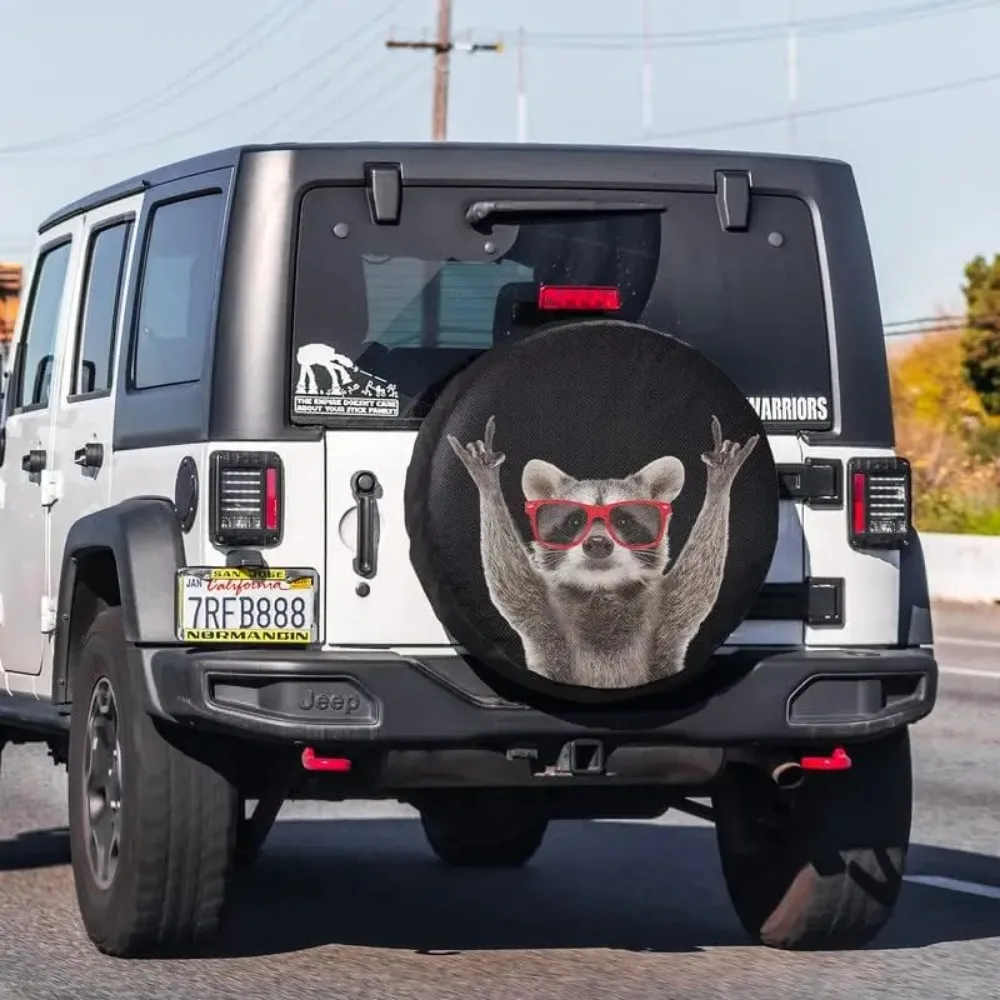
[
  {"x": 915, "y": 619},
  {"x": 144, "y": 537}
]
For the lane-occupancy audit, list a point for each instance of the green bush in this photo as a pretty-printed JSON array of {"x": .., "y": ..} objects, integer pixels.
[{"x": 952, "y": 513}]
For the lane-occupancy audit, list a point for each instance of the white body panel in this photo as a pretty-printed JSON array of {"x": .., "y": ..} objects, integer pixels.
[
  {"x": 79, "y": 421},
  {"x": 26, "y": 582},
  {"x": 788, "y": 563},
  {"x": 151, "y": 471},
  {"x": 871, "y": 578},
  {"x": 397, "y": 611}
]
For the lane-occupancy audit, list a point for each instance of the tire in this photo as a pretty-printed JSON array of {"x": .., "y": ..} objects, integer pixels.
[
  {"x": 825, "y": 872},
  {"x": 472, "y": 834},
  {"x": 164, "y": 889}
]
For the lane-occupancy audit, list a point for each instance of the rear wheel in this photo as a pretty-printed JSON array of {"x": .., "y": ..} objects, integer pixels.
[
  {"x": 482, "y": 831},
  {"x": 820, "y": 868},
  {"x": 152, "y": 830}
]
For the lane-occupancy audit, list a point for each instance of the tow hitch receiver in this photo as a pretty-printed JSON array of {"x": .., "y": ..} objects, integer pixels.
[
  {"x": 579, "y": 757},
  {"x": 837, "y": 761}
]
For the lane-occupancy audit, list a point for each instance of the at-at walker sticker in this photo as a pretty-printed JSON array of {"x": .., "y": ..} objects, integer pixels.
[
  {"x": 342, "y": 388},
  {"x": 598, "y": 598}
]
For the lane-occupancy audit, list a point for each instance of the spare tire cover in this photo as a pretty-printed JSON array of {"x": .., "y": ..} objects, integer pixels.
[{"x": 592, "y": 510}]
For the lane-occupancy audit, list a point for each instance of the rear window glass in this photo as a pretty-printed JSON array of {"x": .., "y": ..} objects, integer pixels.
[{"x": 385, "y": 315}]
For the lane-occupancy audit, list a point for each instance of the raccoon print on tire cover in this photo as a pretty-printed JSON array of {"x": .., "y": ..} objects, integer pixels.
[{"x": 611, "y": 514}]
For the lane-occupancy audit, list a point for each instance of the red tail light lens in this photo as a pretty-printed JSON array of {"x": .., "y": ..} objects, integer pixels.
[
  {"x": 246, "y": 498},
  {"x": 271, "y": 499},
  {"x": 859, "y": 503},
  {"x": 579, "y": 298},
  {"x": 881, "y": 502}
]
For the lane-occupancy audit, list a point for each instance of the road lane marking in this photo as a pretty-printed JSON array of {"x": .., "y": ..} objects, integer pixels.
[
  {"x": 954, "y": 640},
  {"x": 955, "y": 885}
]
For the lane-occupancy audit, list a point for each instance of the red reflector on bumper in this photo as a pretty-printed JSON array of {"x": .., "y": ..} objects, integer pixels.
[
  {"x": 837, "y": 761},
  {"x": 313, "y": 763}
]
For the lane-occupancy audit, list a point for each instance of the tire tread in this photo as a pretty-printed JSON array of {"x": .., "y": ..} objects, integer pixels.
[{"x": 182, "y": 827}]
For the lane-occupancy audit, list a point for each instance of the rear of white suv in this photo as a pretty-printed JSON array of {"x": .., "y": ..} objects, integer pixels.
[{"x": 528, "y": 483}]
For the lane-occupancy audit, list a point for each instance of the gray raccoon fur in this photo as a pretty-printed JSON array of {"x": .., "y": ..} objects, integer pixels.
[{"x": 629, "y": 621}]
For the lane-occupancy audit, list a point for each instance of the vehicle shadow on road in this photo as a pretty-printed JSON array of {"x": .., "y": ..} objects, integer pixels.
[
  {"x": 626, "y": 886},
  {"x": 34, "y": 849}
]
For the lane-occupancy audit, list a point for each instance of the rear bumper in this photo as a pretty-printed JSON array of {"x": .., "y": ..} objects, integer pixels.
[{"x": 381, "y": 699}]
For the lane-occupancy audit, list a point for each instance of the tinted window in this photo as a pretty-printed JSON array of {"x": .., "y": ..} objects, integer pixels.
[
  {"x": 465, "y": 299},
  {"x": 409, "y": 305},
  {"x": 36, "y": 353},
  {"x": 176, "y": 301},
  {"x": 94, "y": 363}
]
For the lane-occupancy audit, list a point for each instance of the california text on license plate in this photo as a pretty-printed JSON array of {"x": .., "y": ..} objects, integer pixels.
[{"x": 246, "y": 604}]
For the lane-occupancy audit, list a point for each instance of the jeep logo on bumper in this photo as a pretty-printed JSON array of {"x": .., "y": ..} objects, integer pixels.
[
  {"x": 336, "y": 702},
  {"x": 317, "y": 701}
]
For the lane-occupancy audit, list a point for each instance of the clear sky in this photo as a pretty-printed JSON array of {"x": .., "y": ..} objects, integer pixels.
[{"x": 100, "y": 90}]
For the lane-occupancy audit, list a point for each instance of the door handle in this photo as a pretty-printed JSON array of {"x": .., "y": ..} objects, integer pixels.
[
  {"x": 90, "y": 456},
  {"x": 34, "y": 462},
  {"x": 367, "y": 491}
]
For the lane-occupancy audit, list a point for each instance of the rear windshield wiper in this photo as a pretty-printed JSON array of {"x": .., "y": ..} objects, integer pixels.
[{"x": 480, "y": 211}]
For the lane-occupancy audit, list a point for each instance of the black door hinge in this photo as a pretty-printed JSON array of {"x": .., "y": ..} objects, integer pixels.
[{"x": 817, "y": 481}]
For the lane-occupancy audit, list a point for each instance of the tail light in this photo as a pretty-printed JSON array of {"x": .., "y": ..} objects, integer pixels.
[
  {"x": 246, "y": 501},
  {"x": 579, "y": 298},
  {"x": 880, "y": 508}
]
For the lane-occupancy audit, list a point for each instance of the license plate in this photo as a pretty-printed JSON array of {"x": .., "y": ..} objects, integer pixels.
[{"x": 248, "y": 604}]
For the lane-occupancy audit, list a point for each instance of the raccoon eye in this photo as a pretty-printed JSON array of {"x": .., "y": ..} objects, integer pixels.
[
  {"x": 636, "y": 524},
  {"x": 561, "y": 523}
]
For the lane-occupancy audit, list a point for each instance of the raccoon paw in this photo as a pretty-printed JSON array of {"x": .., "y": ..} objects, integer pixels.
[
  {"x": 478, "y": 456},
  {"x": 726, "y": 457}
]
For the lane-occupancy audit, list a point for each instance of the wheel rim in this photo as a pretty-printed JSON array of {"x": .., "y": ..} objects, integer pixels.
[{"x": 102, "y": 776}]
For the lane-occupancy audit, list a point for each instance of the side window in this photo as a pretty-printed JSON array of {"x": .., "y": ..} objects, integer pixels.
[
  {"x": 93, "y": 365},
  {"x": 36, "y": 352},
  {"x": 176, "y": 300}
]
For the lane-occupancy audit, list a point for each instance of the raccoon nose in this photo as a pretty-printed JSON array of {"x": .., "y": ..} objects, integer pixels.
[{"x": 598, "y": 547}]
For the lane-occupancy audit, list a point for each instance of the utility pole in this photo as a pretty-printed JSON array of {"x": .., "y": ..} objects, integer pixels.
[
  {"x": 442, "y": 47},
  {"x": 647, "y": 71}
]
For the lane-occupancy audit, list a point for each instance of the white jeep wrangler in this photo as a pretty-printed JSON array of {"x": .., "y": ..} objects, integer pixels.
[{"x": 514, "y": 483}]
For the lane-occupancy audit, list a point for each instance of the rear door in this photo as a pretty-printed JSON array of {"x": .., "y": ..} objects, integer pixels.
[
  {"x": 27, "y": 481},
  {"x": 385, "y": 314},
  {"x": 83, "y": 411}
]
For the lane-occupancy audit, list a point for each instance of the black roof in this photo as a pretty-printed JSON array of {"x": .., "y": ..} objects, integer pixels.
[{"x": 230, "y": 157}]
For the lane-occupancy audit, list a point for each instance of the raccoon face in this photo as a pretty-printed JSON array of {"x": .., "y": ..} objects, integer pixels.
[{"x": 575, "y": 545}]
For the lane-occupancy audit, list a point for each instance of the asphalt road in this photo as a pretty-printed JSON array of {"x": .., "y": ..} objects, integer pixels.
[{"x": 347, "y": 902}]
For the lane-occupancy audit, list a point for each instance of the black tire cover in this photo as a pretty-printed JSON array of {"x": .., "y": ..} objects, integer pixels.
[{"x": 599, "y": 401}]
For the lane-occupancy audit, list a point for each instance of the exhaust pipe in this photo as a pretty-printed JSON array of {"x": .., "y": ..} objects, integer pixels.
[{"x": 788, "y": 775}]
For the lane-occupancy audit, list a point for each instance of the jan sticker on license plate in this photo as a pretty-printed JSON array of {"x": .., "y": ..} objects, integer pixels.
[{"x": 247, "y": 604}]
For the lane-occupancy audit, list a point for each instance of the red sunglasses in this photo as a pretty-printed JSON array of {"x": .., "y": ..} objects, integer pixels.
[{"x": 563, "y": 524}]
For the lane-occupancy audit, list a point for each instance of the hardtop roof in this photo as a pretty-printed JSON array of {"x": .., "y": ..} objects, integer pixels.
[{"x": 231, "y": 156}]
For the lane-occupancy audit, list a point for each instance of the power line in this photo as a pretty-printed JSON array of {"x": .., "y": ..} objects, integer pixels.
[
  {"x": 291, "y": 122},
  {"x": 925, "y": 321},
  {"x": 371, "y": 101},
  {"x": 442, "y": 47},
  {"x": 830, "y": 109},
  {"x": 196, "y": 76},
  {"x": 926, "y": 324},
  {"x": 766, "y": 31},
  {"x": 252, "y": 99}
]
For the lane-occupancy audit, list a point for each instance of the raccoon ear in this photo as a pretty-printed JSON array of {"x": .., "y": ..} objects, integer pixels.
[
  {"x": 664, "y": 477},
  {"x": 541, "y": 480}
]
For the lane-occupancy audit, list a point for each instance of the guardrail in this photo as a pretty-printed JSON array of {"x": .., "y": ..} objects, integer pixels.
[{"x": 962, "y": 567}]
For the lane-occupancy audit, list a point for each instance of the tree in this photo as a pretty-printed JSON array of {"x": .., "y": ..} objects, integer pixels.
[
  {"x": 935, "y": 408},
  {"x": 981, "y": 343}
]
